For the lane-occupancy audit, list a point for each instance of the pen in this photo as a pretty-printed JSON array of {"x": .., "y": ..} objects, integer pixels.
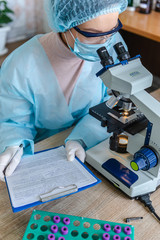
[
  {"x": 133, "y": 218},
  {"x": 19, "y": 148}
]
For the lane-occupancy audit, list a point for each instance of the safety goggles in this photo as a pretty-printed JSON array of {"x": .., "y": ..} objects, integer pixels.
[
  {"x": 97, "y": 38},
  {"x": 90, "y": 34}
]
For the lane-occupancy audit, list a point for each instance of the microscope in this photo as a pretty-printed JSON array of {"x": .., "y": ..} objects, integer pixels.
[{"x": 130, "y": 157}]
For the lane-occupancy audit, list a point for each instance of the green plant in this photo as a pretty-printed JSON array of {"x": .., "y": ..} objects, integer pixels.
[{"x": 4, "y": 12}]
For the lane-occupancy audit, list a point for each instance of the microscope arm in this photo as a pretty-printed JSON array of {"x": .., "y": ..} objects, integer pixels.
[{"x": 150, "y": 107}]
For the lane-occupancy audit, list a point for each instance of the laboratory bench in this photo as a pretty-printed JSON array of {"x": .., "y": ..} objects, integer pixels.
[
  {"x": 103, "y": 201},
  {"x": 141, "y": 32},
  {"x": 145, "y": 25}
]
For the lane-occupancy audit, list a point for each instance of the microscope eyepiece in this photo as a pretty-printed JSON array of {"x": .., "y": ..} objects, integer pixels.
[
  {"x": 121, "y": 52},
  {"x": 104, "y": 56}
]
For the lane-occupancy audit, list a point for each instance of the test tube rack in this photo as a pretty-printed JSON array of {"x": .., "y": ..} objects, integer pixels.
[{"x": 55, "y": 226}]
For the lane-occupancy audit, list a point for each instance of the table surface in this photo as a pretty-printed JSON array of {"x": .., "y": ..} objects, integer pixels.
[
  {"x": 103, "y": 201},
  {"x": 146, "y": 25}
]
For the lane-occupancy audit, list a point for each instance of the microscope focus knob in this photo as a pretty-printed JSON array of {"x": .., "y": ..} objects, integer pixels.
[{"x": 144, "y": 159}]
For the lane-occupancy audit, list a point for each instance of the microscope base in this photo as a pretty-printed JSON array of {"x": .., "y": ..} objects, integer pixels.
[{"x": 116, "y": 168}]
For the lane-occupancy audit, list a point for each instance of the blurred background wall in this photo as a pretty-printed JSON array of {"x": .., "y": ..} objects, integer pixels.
[{"x": 29, "y": 19}]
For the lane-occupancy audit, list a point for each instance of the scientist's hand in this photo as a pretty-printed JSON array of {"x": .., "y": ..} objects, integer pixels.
[
  {"x": 8, "y": 162},
  {"x": 73, "y": 149}
]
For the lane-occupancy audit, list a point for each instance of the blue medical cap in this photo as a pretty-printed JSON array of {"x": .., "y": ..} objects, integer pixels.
[{"x": 66, "y": 14}]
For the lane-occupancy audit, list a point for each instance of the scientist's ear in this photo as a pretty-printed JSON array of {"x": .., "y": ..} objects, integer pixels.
[{"x": 68, "y": 37}]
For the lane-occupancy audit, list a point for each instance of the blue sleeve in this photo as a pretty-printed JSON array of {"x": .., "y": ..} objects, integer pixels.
[
  {"x": 16, "y": 106},
  {"x": 89, "y": 131}
]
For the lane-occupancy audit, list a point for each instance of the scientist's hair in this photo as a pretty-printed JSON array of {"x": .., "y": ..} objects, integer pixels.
[{"x": 65, "y": 14}]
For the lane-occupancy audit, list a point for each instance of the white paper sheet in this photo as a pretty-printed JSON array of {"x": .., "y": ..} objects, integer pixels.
[{"x": 41, "y": 173}]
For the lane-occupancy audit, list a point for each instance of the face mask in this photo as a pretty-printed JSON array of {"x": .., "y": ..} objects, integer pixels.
[{"x": 85, "y": 51}]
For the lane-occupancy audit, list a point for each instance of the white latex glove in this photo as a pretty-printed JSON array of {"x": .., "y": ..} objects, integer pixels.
[
  {"x": 73, "y": 149},
  {"x": 8, "y": 162}
]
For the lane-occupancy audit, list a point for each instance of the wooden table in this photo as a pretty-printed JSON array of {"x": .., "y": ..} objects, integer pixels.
[
  {"x": 146, "y": 25},
  {"x": 103, "y": 201}
]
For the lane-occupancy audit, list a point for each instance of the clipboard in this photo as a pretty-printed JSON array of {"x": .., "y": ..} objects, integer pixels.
[{"x": 56, "y": 192}]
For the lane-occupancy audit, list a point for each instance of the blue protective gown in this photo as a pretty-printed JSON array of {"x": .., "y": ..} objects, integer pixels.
[{"x": 33, "y": 106}]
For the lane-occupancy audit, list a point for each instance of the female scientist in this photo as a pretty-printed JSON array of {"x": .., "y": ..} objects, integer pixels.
[{"x": 49, "y": 83}]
